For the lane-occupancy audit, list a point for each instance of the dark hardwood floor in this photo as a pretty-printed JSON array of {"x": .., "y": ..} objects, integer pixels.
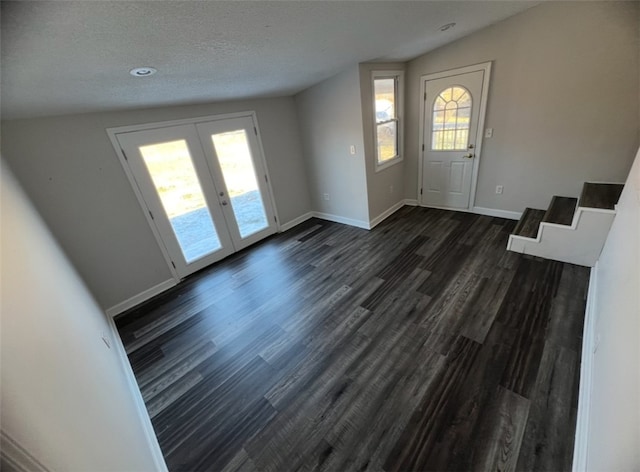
[{"x": 420, "y": 345}]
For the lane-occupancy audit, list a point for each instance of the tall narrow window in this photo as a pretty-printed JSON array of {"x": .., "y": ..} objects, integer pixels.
[
  {"x": 450, "y": 120},
  {"x": 387, "y": 104}
]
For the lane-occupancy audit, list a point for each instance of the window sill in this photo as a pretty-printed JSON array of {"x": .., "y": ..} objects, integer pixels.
[{"x": 389, "y": 163}]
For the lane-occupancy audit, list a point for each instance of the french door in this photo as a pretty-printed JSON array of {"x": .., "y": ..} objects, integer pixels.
[{"x": 204, "y": 187}]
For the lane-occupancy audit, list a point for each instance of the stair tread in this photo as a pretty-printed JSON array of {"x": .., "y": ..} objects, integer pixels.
[
  {"x": 595, "y": 195},
  {"x": 529, "y": 223},
  {"x": 561, "y": 210}
]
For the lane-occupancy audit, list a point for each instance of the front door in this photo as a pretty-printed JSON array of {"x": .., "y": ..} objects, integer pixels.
[
  {"x": 452, "y": 111},
  {"x": 203, "y": 185}
]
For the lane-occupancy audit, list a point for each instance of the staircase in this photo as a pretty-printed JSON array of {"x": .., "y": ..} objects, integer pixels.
[{"x": 571, "y": 230}]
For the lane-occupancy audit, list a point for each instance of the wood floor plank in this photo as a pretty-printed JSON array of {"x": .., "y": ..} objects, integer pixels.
[
  {"x": 468, "y": 403},
  {"x": 529, "y": 223},
  {"x": 561, "y": 210},
  {"x": 481, "y": 307},
  {"x": 526, "y": 351},
  {"x": 230, "y": 435},
  {"x": 223, "y": 378},
  {"x": 550, "y": 419},
  {"x": 567, "y": 309},
  {"x": 161, "y": 367},
  {"x": 419, "y": 438},
  {"x": 501, "y": 436},
  {"x": 196, "y": 428},
  {"x": 419, "y": 345},
  {"x": 175, "y": 389},
  {"x": 241, "y": 462},
  {"x": 597, "y": 195},
  {"x": 161, "y": 380},
  {"x": 364, "y": 440}
]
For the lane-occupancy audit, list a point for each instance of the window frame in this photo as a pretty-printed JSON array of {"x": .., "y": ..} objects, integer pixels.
[
  {"x": 433, "y": 112},
  {"x": 398, "y": 76}
]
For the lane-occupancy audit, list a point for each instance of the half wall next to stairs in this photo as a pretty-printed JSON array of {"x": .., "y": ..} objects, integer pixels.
[
  {"x": 570, "y": 230},
  {"x": 608, "y": 429}
]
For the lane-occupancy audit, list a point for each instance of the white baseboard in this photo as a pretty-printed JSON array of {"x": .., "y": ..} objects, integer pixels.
[
  {"x": 17, "y": 457},
  {"x": 510, "y": 215},
  {"x": 295, "y": 222},
  {"x": 359, "y": 223},
  {"x": 139, "y": 298},
  {"x": 342, "y": 219},
  {"x": 385, "y": 214},
  {"x": 143, "y": 414},
  {"x": 580, "y": 450}
]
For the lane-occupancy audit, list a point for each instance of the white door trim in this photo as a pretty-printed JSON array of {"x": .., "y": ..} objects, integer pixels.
[
  {"x": 112, "y": 134},
  {"x": 141, "y": 201},
  {"x": 263, "y": 156},
  {"x": 184, "y": 121},
  {"x": 486, "y": 67}
]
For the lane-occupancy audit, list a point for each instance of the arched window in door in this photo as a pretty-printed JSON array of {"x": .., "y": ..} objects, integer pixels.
[{"x": 451, "y": 116}]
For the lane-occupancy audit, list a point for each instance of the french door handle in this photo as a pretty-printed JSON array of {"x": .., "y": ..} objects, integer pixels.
[
  {"x": 224, "y": 203},
  {"x": 469, "y": 156}
]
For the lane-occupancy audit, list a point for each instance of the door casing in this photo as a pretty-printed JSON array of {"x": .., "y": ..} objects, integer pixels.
[
  {"x": 113, "y": 132},
  {"x": 486, "y": 67}
]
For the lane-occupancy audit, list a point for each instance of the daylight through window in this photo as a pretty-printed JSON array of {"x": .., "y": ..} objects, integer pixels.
[
  {"x": 450, "y": 120},
  {"x": 386, "y": 103}
]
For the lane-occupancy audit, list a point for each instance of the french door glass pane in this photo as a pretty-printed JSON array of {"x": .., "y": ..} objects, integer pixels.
[
  {"x": 234, "y": 156},
  {"x": 176, "y": 182}
]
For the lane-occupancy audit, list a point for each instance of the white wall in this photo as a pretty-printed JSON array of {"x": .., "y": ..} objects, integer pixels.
[
  {"x": 66, "y": 397},
  {"x": 386, "y": 187},
  {"x": 614, "y": 421},
  {"x": 69, "y": 169},
  {"x": 563, "y": 100},
  {"x": 331, "y": 121}
]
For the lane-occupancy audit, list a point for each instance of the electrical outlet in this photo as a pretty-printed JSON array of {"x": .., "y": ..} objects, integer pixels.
[
  {"x": 499, "y": 189},
  {"x": 325, "y": 196},
  {"x": 352, "y": 150},
  {"x": 488, "y": 133}
]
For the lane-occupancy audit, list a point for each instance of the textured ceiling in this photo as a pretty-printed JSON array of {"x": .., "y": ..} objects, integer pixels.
[{"x": 61, "y": 57}]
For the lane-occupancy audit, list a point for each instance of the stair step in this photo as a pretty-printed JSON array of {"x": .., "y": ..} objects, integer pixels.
[
  {"x": 604, "y": 196},
  {"x": 529, "y": 223},
  {"x": 561, "y": 210}
]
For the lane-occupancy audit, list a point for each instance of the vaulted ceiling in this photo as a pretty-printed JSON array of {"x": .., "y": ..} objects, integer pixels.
[{"x": 62, "y": 57}]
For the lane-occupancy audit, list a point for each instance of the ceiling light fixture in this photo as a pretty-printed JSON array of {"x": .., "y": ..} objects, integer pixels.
[
  {"x": 447, "y": 26},
  {"x": 143, "y": 71}
]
